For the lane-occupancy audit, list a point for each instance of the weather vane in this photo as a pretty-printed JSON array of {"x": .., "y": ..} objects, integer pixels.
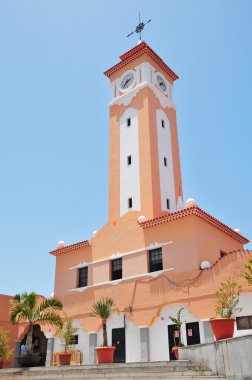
[{"x": 139, "y": 28}]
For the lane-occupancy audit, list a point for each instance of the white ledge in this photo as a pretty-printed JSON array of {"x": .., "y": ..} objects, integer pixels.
[
  {"x": 119, "y": 255},
  {"x": 116, "y": 282},
  {"x": 127, "y": 97}
]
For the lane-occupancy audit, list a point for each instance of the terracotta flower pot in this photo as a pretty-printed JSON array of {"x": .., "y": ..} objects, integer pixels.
[
  {"x": 65, "y": 358},
  {"x": 223, "y": 328},
  {"x": 176, "y": 352},
  {"x": 105, "y": 354}
]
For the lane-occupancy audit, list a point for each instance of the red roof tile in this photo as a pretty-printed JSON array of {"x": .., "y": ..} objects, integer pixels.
[
  {"x": 201, "y": 214},
  {"x": 69, "y": 248},
  {"x": 136, "y": 52}
]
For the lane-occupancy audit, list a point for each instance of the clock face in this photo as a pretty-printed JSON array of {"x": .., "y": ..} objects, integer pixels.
[
  {"x": 127, "y": 80},
  {"x": 161, "y": 83}
]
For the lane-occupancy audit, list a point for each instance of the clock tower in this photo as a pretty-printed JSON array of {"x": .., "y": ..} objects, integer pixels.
[{"x": 144, "y": 163}]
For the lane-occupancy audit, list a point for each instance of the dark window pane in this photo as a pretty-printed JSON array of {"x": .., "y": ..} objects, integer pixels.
[
  {"x": 168, "y": 204},
  {"x": 83, "y": 277},
  {"x": 242, "y": 323},
  {"x": 116, "y": 269},
  {"x": 163, "y": 124},
  {"x": 165, "y": 161},
  {"x": 130, "y": 202},
  {"x": 155, "y": 260},
  {"x": 76, "y": 339},
  {"x": 129, "y": 160},
  {"x": 250, "y": 322},
  {"x": 128, "y": 122}
]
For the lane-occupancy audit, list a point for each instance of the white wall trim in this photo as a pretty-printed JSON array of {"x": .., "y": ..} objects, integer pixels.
[
  {"x": 166, "y": 173},
  {"x": 129, "y": 174},
  {"x": 119, "y": 255},
  {"x": 116, "y": 282}
]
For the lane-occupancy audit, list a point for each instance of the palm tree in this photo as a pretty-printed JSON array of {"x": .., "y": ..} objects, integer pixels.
[
  {"x": 26, "y": 307},
  {"x": 103, "y": 309}
]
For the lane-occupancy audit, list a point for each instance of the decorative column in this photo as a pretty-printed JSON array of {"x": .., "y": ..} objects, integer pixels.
[
  {"x": 92, "y": 345},
  {"x": 144, "y": 344},
  {"x": 16, "y": 353},
  {"x": 49, "y": 351}
]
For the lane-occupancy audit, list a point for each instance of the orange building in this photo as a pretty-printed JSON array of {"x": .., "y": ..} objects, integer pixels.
[
  {"x": 156, "y": 253},
  {"x": 7, "y": 326}
]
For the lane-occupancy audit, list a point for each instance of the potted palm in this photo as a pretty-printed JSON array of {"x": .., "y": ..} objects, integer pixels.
[
  {"x": 28, "y": 307},
  {"x": 177, "y": 337},
  {"x": 67, "y": 336},
  {"x": 5, "y": 351},
  {"x": 226, "y": 305},
  {"x": 103, "y": 309}
]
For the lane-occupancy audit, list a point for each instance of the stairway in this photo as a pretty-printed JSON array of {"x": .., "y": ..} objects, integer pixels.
[{"x": 177, "y": 370}]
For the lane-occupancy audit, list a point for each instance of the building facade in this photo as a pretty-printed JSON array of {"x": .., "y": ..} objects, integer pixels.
[{"x": 156, "y": 254}]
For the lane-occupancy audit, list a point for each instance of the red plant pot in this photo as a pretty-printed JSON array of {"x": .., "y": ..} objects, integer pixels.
[
  {"x": 176, "y": 352},
  {"x": 223, "y": 328},
  {"x": 65, "y": 358},
  {"x": 105, "y": 354}
]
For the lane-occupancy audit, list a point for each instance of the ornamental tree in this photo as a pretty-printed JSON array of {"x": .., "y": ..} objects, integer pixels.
[
  {"x": 227, "y": 299},
  {"x": 26, "y": 307}
]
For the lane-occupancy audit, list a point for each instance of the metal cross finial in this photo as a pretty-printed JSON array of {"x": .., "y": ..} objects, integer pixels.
[{"x": 139, "y": 28}]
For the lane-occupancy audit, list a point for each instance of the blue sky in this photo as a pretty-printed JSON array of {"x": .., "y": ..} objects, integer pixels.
[{"x": 54, "y": 117}]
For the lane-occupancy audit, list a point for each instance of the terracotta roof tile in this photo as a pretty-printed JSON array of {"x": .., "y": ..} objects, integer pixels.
[
  {"x": 201, "y": 214},
  {"x": 70, "y": 248},
  {"x": 136, "y": 52}
]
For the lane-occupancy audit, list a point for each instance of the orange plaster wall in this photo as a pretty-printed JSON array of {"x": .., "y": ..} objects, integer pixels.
[
  {"x": 134, "y": 265},
  {"x": 101, "y": 272},
  {"x": 181, "y": 255},
  {"x": 119, "y": 237},
  {"x": 66, "y": 278},
  {"x": 148, "y": 296},
  {"x": 211, "y": 241},
  {"x": 6, "y": 325},
  {"x": 193, "y": 240}
]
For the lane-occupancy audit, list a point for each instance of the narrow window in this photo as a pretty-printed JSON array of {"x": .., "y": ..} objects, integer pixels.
[
  {"x": 155, "y": 260},
  {"x": 165, "y": 161},
  {"x": 129, "y": 160},
  {"x": 116, "y": 269},
  {"x": 129, "y": 122},
  {"x": 163, "y": 123},
  {"x": 83, "y": 277},
  {"x": 75, "y": 339},
  {"x": 244, "y": 323},
  {"x": 168, "y": 204},
  {"x": 130, "y": 203}
]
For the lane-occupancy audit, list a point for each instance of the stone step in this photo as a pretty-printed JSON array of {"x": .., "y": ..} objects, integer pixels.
[{"x": 177, "y": 370}]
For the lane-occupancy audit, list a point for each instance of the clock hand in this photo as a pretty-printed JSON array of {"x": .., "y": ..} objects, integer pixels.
[{"x": 126, "y": 81}]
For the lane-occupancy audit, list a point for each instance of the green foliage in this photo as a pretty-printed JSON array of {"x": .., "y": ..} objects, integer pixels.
[
  {"x": 5, "y": 350},
  {"x": 26, "y": 307},
  {"x": 248, "y": 274},
  {"x": 178, "y": 323},
  {"x": 103, "y": 309},
  {"x": 67, "y": 334},
  {"x": 177, "y": 320},
  {"x": 227, "y": 299}
]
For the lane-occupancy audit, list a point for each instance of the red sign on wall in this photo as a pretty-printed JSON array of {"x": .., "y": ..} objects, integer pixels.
[
  {"x": 176, "y": 333},
  {"x": 189, "y": 332}
]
